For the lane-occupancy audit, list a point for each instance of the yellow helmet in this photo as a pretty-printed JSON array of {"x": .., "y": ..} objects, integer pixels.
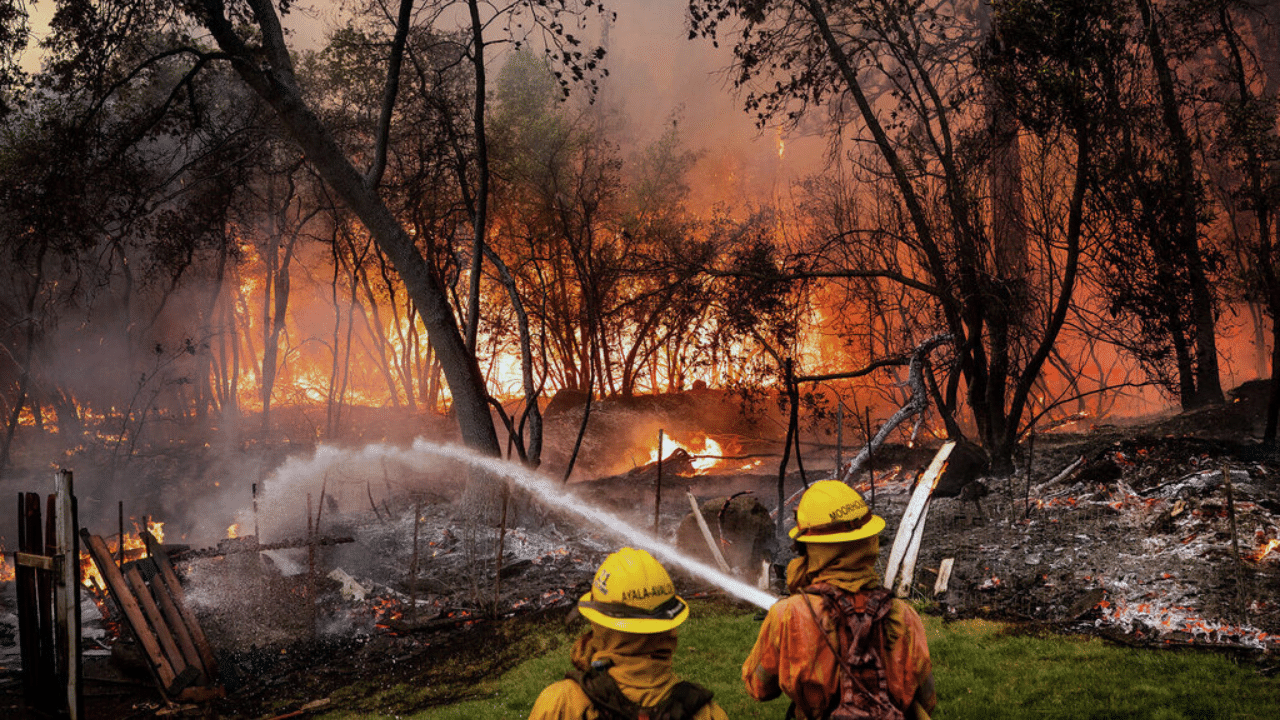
[
  {"x": 832, "y": 512},
  {"x": 631, "y": 592}
]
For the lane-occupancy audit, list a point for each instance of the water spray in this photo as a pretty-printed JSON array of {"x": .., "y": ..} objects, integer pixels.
[
  {"x": 552, "y": 493},
  {"x": 424, "y": 456}
]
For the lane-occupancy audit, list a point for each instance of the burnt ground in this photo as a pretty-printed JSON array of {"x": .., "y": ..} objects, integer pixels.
[{"x": 1134, "y": 543}]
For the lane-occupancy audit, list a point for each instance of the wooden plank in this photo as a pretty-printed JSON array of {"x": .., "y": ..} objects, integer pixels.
[
  {"x": 48, "y": 621},
  {"x": 156, "y": 619},
  {"x": 28, "y": 597},
  {"x": 907, "y": 573},
  {"x": 67, "y": 596},
  {"x": 170, "y": 578},
  {"x": 944, "y": 576},
  {"x": 39, "y": 562},
  {"x": 178, "y": 626},
  {"x": 129, "y": 606},
  {"x": 915, "y": 508},
  {"x": 706, "y": 535}
]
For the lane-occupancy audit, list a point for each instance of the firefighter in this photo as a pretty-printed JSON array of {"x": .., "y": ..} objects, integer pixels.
[
  {"x": 622, "y": 665},
  {"x": 836, "y": 603}
]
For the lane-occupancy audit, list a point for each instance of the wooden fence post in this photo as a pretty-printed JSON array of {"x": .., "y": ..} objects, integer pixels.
[{"x": 67, "y": 594}]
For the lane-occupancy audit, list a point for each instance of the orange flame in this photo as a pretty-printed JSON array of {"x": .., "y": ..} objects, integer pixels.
[
  {"x": 134, "y": 548},
  {"x": 1271, "y": 546},
  {"x": 233, "y": 532},
  {"x": 706, "y": 453},
  {"x": 6, "y": 568}
]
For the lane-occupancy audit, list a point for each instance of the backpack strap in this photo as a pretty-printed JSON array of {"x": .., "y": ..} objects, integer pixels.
[
  {"x": 603, "y": 692},
  {"x": 683, "y": 701},
  {"x": 859, "y": 624}
]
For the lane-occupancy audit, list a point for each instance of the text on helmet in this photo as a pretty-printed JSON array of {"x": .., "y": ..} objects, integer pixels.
[
  {"x": 852, "y": 509},
  {"x": 648, "y": 592}
]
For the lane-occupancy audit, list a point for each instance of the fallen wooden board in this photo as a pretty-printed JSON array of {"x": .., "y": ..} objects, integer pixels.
[
  {"x": 912, "y": 518},
  {"x": 706, "y": 534},
  {"x": 170, "y": 579},
  {"x": 134, "y": 617},
  {"x": 944, "y": 576},
  {"x": 907, "y": 573}
]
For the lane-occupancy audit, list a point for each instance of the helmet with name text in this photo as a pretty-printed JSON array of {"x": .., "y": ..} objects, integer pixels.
[
  {"x": 631, "y": 592},
  {"x": 832, "y": 512}
]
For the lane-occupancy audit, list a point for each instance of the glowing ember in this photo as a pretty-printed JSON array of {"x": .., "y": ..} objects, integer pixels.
[{"x": 1162, "y": 620}]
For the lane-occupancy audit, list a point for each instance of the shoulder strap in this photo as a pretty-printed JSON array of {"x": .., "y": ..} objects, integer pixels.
[
  {"x": 682, "y": 703},
  {"x": 859, "y": 620},
  {"x": 603, "y": 692}
]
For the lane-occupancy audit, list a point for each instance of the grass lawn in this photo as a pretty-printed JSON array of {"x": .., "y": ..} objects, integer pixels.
[{"x": 983, "y": 670}]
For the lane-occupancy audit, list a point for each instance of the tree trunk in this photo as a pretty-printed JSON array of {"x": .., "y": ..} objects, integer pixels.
[
  {"x": 1208, "y": 382},
  {"x": 270, "y": 75}
]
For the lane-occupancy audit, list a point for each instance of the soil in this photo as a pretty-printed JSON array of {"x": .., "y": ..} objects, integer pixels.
[{"x": 1142, "y": 540}]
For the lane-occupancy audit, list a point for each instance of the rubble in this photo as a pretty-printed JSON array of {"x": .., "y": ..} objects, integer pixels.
[{"x": 1134, "y": 535}]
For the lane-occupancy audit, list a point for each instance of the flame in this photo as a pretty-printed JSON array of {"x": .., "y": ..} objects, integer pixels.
[
  {"x": 134, "y": 548},
  {"x": 233, "y": 532},
  {"x": 706, "y": 452},
  {"x": 6, "y": 568},
  {"x": 1271, "y": 546}
]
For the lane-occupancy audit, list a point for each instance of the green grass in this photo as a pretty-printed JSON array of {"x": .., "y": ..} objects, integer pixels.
[{"x": 983, "y": 670}]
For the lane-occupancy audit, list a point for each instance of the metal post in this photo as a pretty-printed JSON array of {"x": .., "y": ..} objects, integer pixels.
[
  {"x": 871, "y": 469},
  {"x": 657, "y": 485},
  {"x": 413, "y": 566},
  {"x": 839, "y": 440}
]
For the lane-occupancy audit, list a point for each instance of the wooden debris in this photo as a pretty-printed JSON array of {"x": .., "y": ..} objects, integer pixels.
[
  {"x": 706, "y": 534},
  {"x": 944, "y": 576},
  {"x": 900, "y": 570},
  {"x": 154, "y": 606}
]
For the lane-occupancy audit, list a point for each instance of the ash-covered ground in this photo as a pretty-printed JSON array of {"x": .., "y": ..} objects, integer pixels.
[{"x": 1125, "y": 532}]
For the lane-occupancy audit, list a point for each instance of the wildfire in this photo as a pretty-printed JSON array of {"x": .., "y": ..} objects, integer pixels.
[
  {"x": 134, "y": 548},
  {"x": 706, "y": 453}
]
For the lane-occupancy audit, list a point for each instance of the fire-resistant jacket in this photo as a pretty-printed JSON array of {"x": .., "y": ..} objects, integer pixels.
[
  {"x": 790, "y": 656},
  {"x": 641, "y": 667}
]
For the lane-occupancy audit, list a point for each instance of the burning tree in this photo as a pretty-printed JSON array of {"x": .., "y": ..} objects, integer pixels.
[{"x": 929, "y": 142}]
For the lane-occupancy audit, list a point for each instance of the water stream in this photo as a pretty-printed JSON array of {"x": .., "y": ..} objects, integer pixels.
[
  {"x": 553, "y": 493},
  {"x": 330, "y": 460}
]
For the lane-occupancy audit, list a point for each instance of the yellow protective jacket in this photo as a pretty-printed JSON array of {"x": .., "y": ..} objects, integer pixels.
[
  {"x": 790, "y": 655},
  {"x": 641, "y": 667}
]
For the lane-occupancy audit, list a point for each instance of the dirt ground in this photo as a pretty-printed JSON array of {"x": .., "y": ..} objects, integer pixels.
[{"x": 1129, "y": 532}]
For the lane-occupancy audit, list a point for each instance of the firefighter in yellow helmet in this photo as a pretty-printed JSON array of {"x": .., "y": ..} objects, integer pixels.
[
  {"x": 841, "y": 646},
  {"x": 622, "y": 665}
]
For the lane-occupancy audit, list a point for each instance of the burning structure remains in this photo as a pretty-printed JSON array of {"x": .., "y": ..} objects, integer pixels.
[{"x": 369, "y": 561}]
